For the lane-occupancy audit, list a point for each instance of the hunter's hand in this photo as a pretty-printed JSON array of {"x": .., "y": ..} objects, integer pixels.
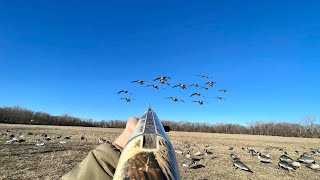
[{"x": 125, "y": 135}]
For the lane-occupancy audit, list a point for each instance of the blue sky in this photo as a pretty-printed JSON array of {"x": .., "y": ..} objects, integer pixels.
[{"x": 73, "y": 57}]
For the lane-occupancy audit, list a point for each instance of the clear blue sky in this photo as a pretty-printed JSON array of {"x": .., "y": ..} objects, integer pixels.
[{"x": 74, "y": 56}]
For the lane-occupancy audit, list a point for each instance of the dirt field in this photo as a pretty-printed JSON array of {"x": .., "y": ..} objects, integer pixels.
[{"x": 27, "y": 161}]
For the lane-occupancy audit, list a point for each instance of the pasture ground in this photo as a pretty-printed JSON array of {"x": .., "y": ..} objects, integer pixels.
[{"x": 27, "y": 161}]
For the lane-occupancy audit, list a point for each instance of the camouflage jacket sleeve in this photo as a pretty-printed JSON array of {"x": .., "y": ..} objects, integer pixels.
[{"x": 100, "y": 163}]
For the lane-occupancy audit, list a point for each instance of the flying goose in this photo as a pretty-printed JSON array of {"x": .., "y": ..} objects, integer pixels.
[
  {"x": 153, "y": 85},
  {"x": 203, "y": 76},
  {"x": 162, "y": 78},
  {"x": 196, "y": 93},
  {"x": 123, "y": 91},
  {"x": 239, "y": 164},
  {"x": 211, "y": 83},
  {"x": 194, "y": 84},
  {"x": 200, "y": 102},
  {"x": 164, "y": 82},
  {"x": 224, "y": 90},
  {"x": 286, "y": 165},
  {"x": 183, "y": 86},
  {"x": 264, "y": 158},
  {"x": 220, "y": 98},
  {"x": 205, "y": 88},
  {"x": 141, "y": 82},
  {"x": 313, "y": 166},
  {"x": 175, "y": 99},
  {"x": 127, "y": 99}
]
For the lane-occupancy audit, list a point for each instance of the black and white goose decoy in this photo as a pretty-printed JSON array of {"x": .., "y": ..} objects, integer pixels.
[
  {"x": 313, "y": 166},
  {"x": 175, "y": 99},
  {"x": 285, "y": 165},
  {"x": 285, "y": 157},
  {"x": 200, "y": 102},
  {"x": 183, "y": 86},
  {"x": 124, "y": 91},
  {"x": 264, "y": 158},
  {"x": 239, "y": 164},
  {"x": 127, "y": 99},
  {"x": 141, "y": 82},
  {"x": 211, "y": 83}
]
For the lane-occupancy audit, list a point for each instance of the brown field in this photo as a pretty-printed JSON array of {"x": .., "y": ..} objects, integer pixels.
[{"x": 27, "y": 161}]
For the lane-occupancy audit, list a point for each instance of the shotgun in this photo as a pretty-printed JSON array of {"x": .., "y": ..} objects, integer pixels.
[{"x": 148, "y": 153}]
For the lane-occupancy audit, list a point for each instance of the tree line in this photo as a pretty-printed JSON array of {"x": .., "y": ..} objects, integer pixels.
[{"x": 306, "y": 128}]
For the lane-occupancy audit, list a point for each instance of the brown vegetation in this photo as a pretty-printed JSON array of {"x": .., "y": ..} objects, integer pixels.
[{"x": 27, "y": 161}]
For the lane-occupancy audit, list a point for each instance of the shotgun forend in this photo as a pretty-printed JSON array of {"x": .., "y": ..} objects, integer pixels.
[{"x": 149, "y": 153}]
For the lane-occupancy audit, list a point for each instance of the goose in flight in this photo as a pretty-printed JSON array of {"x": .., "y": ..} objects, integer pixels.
[
  {"x": 224, "y": 90},
  {"x": 164, "y": 82},
  {"x": 204, "y": 88},
  {"x": 195, "y": 85},
  {"x": 141, "y": 82},
  {"x": 175, "y": 99},
  {"x": 200, "y": 102},
  {"x": 196, "y": 93},
  {"x": 162, "y": 78},
  {"x": 153, "y": 85},
  {"x": 127, "y": 99},
  {"x": 211, "y": 83},
  {"x": 203, "y": 76},
  {"x": 183, "y": 86},
  {"x": 220, "y": 98},
  {"x": 124, "y": 91}
]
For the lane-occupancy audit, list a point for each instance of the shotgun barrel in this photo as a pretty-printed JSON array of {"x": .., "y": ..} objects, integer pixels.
[{"x": 149, "y": 153}]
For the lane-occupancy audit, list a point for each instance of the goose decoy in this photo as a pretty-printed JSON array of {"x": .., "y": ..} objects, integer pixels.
[
  {"x": 187, "y": 155},
  {"x": 178, "y": 151},
  {"x": 63, "y": 142},
  {"x": 153, "y": 85},
  {"x": 305, "y": 159},
  {"x": 264, "y": 158},
  {"x": 205, "y": 88},
  {"x": 67, "y": 137},
  {"x": 59, "y": 136},
  {"x": 127, "y": 99},
  {"x": 233, "y": 156},
  {"x": 194, "y": 84},
  {"x": 252, "y": 152},
  {"x": 239, "y": 164},
  {"x": 47, "y": 138},
  {"x": 196, "y": 93},
  {"x": 123, "y": 91},
  {"x": 211, "y": 83},
  {"x": 220, "y": 98},
  {"x": 285, "y": 157},
  {"x": 82, "y": 138},
  {"x": 200, "y": 102},
  {"x": 187, "y": 163},
  {"x": 285, "y": 165},
  {"x": 183, "y": 86},
  {"x": 313, "y": 165},
  {"x": 141, "y": 82},
  {"x": 203, "y": 76},
  {"x": 101, "y": 140},
  {"x": 231, "y": 148},
  {"x": 175, "y": 99},
  {"x": 162, "y": 78},
  {"x": 295, "y": 164},
  {"x": 223, "y": 90},
  {"x": 21, "y": 140},
  {"x": 39, "y": 143}
]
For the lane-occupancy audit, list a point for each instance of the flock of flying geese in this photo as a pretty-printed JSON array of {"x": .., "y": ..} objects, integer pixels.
[
  {"x": 164, "y": 80},
  {"x": 285, "y": 162}
]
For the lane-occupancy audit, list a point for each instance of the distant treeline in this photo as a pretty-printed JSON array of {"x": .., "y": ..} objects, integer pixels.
[{"x": 307, "y": 127}]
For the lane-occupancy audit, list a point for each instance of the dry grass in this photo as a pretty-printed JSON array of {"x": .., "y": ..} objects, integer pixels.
[{"x": 27, "y": 161}]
